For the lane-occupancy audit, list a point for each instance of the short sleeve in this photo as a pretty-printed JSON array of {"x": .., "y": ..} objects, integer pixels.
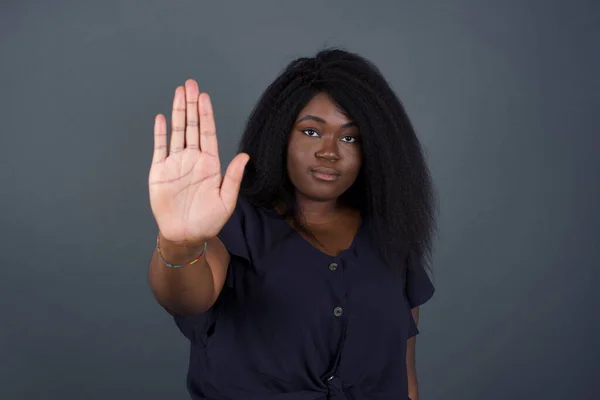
[
  {"x": 193, "y": 327},
  {"x": 419, "y": 288}
]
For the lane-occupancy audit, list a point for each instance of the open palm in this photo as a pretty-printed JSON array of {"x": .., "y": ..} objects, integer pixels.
[{"x": 189, "y": 197}]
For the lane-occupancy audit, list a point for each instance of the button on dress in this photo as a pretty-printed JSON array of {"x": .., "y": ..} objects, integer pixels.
[{"x": 293, "y": 323}]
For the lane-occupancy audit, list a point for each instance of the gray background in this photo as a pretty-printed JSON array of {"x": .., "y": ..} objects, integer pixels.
[{"x": 504, "y": 95}]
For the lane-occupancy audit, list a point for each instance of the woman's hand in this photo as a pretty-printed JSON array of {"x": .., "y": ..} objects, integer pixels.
[{"x": 190, "y": 199}]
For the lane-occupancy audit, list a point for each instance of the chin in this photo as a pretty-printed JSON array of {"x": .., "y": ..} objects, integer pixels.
[{"x": 320, "y": 195}]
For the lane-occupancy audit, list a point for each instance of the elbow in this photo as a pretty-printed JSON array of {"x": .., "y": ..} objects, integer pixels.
[{"x": 184, "y": 308}]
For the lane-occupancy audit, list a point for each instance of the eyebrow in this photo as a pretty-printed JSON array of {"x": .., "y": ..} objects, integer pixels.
[{"x": 322, "y": 121}]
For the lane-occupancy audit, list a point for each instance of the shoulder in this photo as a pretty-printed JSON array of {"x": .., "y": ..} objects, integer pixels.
[{"x": 249, "y": 229}]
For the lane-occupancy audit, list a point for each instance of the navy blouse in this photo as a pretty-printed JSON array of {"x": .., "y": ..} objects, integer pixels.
[{"x": 293, "y": 323}]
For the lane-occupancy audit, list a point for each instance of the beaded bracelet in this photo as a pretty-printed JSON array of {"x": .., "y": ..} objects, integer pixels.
[{"x": 176, "y": 266}]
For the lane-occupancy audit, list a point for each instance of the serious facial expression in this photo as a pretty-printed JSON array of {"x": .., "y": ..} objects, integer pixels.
[{"x": 324, "y": 152}]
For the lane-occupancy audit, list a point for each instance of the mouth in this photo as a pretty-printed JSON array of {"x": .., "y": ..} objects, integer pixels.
[{"x": 325, "y": 174}]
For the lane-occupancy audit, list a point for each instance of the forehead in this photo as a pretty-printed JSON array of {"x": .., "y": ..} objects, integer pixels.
[{"x": 322, "y": 105}]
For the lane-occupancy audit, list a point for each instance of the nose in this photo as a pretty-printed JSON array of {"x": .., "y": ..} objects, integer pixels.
[{"x": 328, "y": 150}]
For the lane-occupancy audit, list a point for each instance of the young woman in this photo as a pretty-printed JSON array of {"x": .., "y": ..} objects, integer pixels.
[{"x": 298, "y": 274}]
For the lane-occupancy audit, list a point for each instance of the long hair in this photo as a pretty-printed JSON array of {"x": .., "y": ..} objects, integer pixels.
[{"x": 393, "y": 190}]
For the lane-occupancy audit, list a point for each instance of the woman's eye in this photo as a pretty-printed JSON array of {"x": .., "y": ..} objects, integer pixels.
[
  {"x": 310, "y": 132},
  {"x": 349, "y": 139}
]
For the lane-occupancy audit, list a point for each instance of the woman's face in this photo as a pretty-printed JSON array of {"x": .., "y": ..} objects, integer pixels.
[{"x": 324, "y": 152}]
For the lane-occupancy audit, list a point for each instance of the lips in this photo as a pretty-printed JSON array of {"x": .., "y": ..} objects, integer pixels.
[{"x": 325, "y": 173}]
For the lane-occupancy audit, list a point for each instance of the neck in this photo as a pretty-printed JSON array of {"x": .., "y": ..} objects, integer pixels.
[{"x": 319, "y": 212}]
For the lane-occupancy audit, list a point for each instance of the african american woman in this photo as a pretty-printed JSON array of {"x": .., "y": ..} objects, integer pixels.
[{"x": 298, "y": 274}]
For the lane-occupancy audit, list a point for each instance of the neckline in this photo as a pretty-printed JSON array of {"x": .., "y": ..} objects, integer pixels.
[{"x": 293, "y": 231}]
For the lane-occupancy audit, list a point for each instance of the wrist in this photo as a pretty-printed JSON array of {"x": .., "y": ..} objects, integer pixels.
[{"x": 180, "y": 252}]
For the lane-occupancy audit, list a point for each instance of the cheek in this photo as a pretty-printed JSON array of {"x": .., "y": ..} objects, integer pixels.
[
  {"x": 354, "y": 159},
  {"x": 303, "y": 149},
  {"x": 299, "y": 152}
]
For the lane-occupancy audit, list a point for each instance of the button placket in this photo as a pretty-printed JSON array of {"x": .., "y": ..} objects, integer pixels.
[
  {"x": 333, "y": 266},
  {"x": 337, "y": 273}
]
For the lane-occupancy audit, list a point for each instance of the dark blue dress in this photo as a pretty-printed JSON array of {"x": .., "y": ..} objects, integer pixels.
[{"x": 293, "y": 323}]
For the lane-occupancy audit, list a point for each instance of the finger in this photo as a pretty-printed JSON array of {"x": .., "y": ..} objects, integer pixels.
[
  {"x": 208, "y": 132},
  {"x": 191, "y": 129},
  {"x": 230, "y": 187},
  {"x": 178, "y": 121},
  {"x": 160, "y": 139}
]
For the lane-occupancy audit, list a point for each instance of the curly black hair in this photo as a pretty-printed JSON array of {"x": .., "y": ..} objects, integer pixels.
[{"x": 393, "y": 190}]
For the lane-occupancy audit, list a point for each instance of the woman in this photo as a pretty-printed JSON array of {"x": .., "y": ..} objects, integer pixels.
[{"x": 298, "y": 274}]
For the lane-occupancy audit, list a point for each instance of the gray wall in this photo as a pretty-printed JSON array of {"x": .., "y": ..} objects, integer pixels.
[{"x": 505, "y": 97}]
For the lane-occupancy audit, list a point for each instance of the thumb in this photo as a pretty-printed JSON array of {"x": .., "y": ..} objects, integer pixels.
[{"x": 232, "y": 180}]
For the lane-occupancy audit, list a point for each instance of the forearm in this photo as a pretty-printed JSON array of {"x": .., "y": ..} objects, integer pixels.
[
  {"x": 186, "y": 291},
  {"x": 411, "y": 369},
  {"x": 411, "y": 360}
]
